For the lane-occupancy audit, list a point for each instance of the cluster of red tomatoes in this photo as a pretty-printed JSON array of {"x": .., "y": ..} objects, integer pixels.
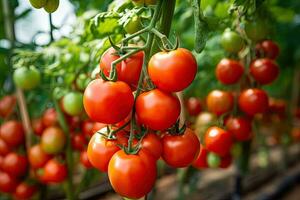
[{"x": 150, "y": 114}]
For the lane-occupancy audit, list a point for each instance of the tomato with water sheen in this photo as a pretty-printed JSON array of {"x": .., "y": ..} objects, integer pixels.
[
  {"x": 219, "y": 102},
  {"x": 264, "y": 70},
  {"x": 229, "y": 71}
]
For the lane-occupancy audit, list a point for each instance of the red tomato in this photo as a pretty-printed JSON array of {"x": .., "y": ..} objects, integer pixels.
[
  {"x": 152, "y": 143},
  {"x": 201, "y": 161},
  {"x": 87, "y": 128},
  {"x": 7, "y": 105},
  {"x": 229, "y": 71},
  {"x": 268, "y": 49},
  {"x": 172, "y": 71},
  {"x": 12, "y": 133},
  {"x": 226, "y": 161},
  {"x": 1, "y": 162},
  {"x": 25, "y": 191},
  {"x": 157, "y": 109},
  {"x": 37, "y": 157},
  {"x": 54, "y": 172},
  {"x": 8, "y": 183},
  {"x": 4, "y": 148},
  {"x": 264, "y": 70},
  {"x": 108, "y": 102},
  {"x": 15, "y": 165},
  {"x": 132, "y": 176},
  {"x": 73, "y": 121},
  {"x": 53, "y": 140},
  {"x": 253, "y": 101},
  {"x": 218, "y": 141},
  {"x": 180, "y": 150},
  {"x": 193, "y": 106},
  {"x": 100, "y": 150},
  {"x": 84, "y": 160},
  {"x": 240, "y": 128},
  {"x": 219, "y": 102},
  {"x": 38, "y": 126},
  {"x": 97, "y": 126},
  {"x": 78, "y": 141},
  {"x": 126, "y": 120},
  {"x": 49, "y": 117},
  {"x": 296, "y": 134},
  {"x": 277, "y": 106},
  {"x": 128, "y": 70}
]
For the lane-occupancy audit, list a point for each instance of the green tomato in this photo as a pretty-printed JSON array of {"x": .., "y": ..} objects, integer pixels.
[
  {"x": 38, "y": 3},
  {"x": 26, "y": 78},
  {"x": 232, "y": 42},
  {"x": 256, "y": 30},
  {"x": 133, "y": 25},
  {"x": 51, "y": 6},
  {"x": 72, "y": 103},
  {"x": 53, "y": 140},
  {"x": 144, "y": 2},
  {"x": 82, "y": 81},
  {"x": 213, "y": 160}
]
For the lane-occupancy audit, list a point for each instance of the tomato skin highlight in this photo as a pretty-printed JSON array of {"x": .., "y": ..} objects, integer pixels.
[
  {"x": 164, "y": 106},
  {"x": 12, "y": 133},
  {"x": 8, "y": 183},
  {"x": 37, "y": 157},
  {"x": 229, "y": 71},
  {"x": 218, "y": 141},
  {"x": 253, "y": 101},
  {"x": 219, "y": 102},
  {"x": 132, "y": 176},
  {"x": 108, "y": 102},
  {"x": 240, "y": 127},
  {"x": 201, "y": 160},
  {"x": 25, "y": 191},
  {"x": 100, "y": 150},
  {"x": 264, "y": 70},
  {"x": 180, "y": 150},
  {"x": 15, "y": 164},
  {"x": 172, "y": 71}
]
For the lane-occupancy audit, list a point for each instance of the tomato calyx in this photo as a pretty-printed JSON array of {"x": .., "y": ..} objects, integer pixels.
[
  {"x": 167, "y": 45},
  {"x": 176, "y": 129}
]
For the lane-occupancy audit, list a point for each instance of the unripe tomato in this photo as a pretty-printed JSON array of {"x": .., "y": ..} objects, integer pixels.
[
  {"x": 193, "y": 106},
  {"x": 38, "y": 126},
  {"x": 253, "y": 101},
  {"x": 133, "y": 25},
  {"x": 54, "y": 172},
  {"x": 53, "y": 140},
  {"x": 37, "y": 157},
  {"x": 213, "y": 160},
  {"x": 152, "y": 143},
  {"x": 172, "y": 71},
  {"x": 268, "y": 49},
  {"x": 12, "y": 133},
  {"x": 4, "y": 148},
  {"x": 38, "y": 3},
  {"x": 264, "y": 70},
  {"x": 203, "y": 121},
  {"x": 180, "y": 150},
  {"x": 219, "y": 102},
  {"x": 7, "y": 104},
  {"x": 49, "y": 117},
  {"x": 128, "y": 70},
  {"x": 231, "y": 41},
  {"x": 15, "y": 164},
  {"x": 256, "y": 30},
  {"x": 78, "y": 141},
  {"x": 72, "y": 103},
  {"x": 8, "y": 183},
  {"x": 26, "y": 78},
  {"x": 108, "y": 102},
  {"x": 240, "y": 128},
  {"x": 229, "y": 71},
  {"x": 25, "y": 191},
  {"x": 84, "y": 160},
  {"x": 144, "y": 2},
  {"x": 201, "y": 161},
  {"x": 51, "y": 6},
  {"x": 132, "y": 176},
  {"x": 157, "y": 110},
  {"x": 218, "y": 141},
  {"x": 100, "y": 150},
  {"x": 82, "y": 82}
]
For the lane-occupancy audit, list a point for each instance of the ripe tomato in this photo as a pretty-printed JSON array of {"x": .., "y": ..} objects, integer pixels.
[
  {"x": 231, "y": 41},
  {"x": 201, "y": 161},
  {"x": 4, "y": 148},
  {"x": 180, "y": 150},
  {"x": 53, "y": 140},
  {"x": 256, "y": 30},
  {"x": 107, "y": 102},
  {"x": 277, "y": 106},
  {"x": 240, "y": 127},
  {"x": 172, "y": 71},
  {"x": 54, "y": 172},
  {"x": 15, "y": 164},
  {"x": 72, "y": 103},
  {"x": 73, "y": 122},
  {"x": 84, "y": 160},
  {"x": 219, "y": 102},
  {"x": 25, "y": 191},
  {"x": 7, "y": 104},
  {"x": 152, "y": 143},
  {"x": 264, "y": 70},
  {"x": 226, "y": 161},
  {"x": 193, "y": 106},
  {"x": 253, "y": 101},
  {"x": 50, "y": 117},
  {"x": 8, "y": 183},
  {"x": 97, "y": 126},
  {"x": 37, "y": 157},
  {"x": 268, "y": 49},
  {"x": 229, "y": 71},
  {"x": 12, "y": 133},
  {"x": 218, "y": 141},
  {"x": 100, "y": 150},
  {"x": 128, "y": 70},
  {"x": 87, "y": 128},
  {"x": 132, "y": 176},
  {"x": 78, "y": 141},
  {"x": 38, "y": 126},
  {"x": 26, "y": 78},
  {"x": 157, "y": 109}
]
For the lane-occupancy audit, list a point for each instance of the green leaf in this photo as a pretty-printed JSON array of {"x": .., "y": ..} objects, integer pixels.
[
  {"x": 282, "y": 14},
  {"x": 221, "y": 9}
]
